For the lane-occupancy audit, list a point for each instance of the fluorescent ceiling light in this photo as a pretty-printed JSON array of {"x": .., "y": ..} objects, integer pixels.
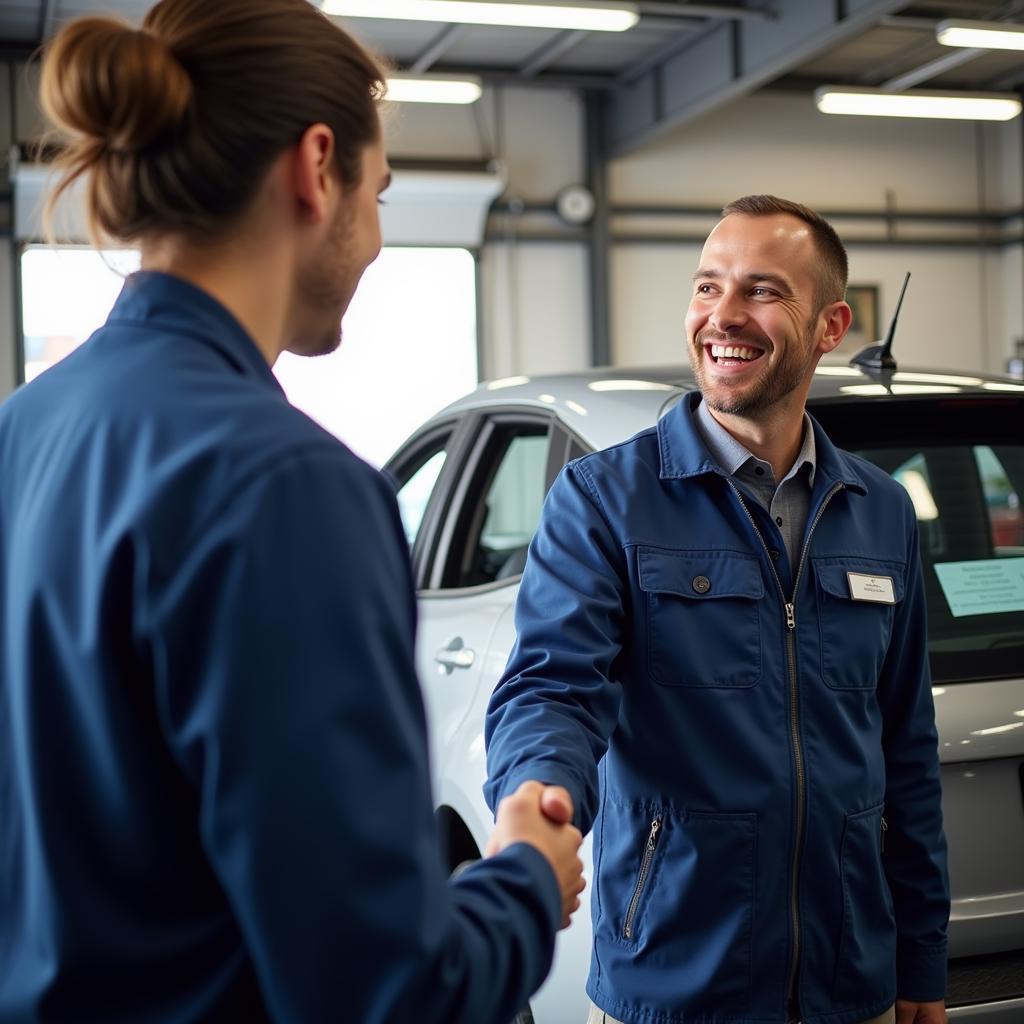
[
  {"x": 409, "y": 89},
  {"x": 987, "y": 35},
  {"x": 961, "y": 106},
  {"x": 588, "y": 17}
]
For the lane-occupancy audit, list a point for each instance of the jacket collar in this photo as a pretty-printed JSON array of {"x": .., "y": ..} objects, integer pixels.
[
  {"x": 684, "y": 454},
  {"x": 163, "y": 302}
]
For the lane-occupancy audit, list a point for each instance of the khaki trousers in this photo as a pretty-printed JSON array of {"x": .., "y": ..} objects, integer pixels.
[{"x": 598, "y": 1016}]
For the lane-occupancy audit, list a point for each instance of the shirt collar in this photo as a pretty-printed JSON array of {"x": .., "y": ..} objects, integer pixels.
[
  {"x": 684, "y": 452},
  {"x": 732, "y": 456},
  {"x": 162, "y": 301}
]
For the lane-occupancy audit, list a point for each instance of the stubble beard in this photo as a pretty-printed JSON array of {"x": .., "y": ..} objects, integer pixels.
[
  {"x": 773, "y": 385},
  {"x": 328, "y": 283}
]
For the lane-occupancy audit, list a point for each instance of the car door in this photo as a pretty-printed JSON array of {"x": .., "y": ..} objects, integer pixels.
[
  {"x": 962, "y": 463},
  {"x": 471, "y": 562}
]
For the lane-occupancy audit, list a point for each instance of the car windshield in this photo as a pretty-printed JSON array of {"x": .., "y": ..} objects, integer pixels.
[{"x": 964, "y": 473}]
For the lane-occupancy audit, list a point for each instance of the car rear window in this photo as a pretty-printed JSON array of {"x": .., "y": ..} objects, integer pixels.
[{"x": 962, "y": 463}]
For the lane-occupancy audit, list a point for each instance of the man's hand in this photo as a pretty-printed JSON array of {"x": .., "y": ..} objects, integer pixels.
[
  {"x": 556, "y": 803},
  {"x": 521, "y": 819},
  {"x": 920, "y": 1013}
]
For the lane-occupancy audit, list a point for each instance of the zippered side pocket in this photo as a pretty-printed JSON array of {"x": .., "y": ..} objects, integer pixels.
[{"x": 641, "y": 878}]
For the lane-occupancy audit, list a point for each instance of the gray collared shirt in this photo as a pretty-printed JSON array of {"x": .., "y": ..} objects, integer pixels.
[{"x": 788, "y": 502}]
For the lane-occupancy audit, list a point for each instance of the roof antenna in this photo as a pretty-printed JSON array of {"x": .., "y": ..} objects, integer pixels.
[{"x": 879, "y": 357}]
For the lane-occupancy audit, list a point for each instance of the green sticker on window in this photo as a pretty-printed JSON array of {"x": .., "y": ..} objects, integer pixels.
[{"x": 985, "y": 587}]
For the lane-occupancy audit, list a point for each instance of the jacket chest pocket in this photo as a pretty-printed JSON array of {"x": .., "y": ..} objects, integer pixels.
[
  {"x": 703, "y": 617},
  {"x": 857, "y": 602}
]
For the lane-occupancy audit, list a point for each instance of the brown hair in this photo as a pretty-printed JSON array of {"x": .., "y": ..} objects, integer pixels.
[
  {"x": 176, "y": 123},
  {"x": 834, "y": 268}
]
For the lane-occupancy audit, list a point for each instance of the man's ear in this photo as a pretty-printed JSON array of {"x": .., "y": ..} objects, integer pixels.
[
  {"x": 838, "y": 317},
  {"x": 313, "y": 176}
]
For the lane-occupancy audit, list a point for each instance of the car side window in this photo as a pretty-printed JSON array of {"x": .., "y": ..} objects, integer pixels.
[
  {"x": 513, "y": 504},
  {"x": 414, "y": 494},
  {"x": 1002, "y": 499},
  {"x": 967, "y": 500},
  {"x": 416, "y": 470},
  {"x": 491, "y": 526}
]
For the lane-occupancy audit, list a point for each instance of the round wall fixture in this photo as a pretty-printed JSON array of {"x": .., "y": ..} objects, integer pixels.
[{"x": 575, "y": 204}]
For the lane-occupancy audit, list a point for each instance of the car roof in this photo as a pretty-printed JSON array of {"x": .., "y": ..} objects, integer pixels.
[{"x": 604, "y": 405}]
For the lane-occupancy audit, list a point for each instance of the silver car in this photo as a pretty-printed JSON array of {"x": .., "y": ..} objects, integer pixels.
[{"x": 470, "y": 486}]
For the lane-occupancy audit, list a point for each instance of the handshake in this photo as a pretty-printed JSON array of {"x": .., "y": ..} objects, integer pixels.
[{"x": 541, "y": 816}]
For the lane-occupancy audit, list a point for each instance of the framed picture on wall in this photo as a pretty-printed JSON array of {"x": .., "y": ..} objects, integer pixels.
[{"x": 863, "y": 300}]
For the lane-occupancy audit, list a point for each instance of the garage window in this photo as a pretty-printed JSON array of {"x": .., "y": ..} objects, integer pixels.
[
  {"x": 409, "y": 337},
  {"x": 66, "y": 293}
]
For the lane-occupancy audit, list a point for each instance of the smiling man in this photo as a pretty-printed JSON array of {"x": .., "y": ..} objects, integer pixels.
[{"x": 711, "y": 611}]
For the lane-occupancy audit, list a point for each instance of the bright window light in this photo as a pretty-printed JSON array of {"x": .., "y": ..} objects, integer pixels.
[
  {"x": 399, "y": 361},
  {"x": 88, "y": 283},
  {"x": 832, "y": 99},
  {"x": 984, "y": 35},
  {"x": 409, "y": 89},
  {"x": 597, "y": 17}
]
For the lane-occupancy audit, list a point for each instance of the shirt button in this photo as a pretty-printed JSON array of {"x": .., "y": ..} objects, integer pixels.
[
  {"x": 759, "y": 470},
  {"x": 773, "y": 553},
  {"x": 778, "y": 520},
  {"x": 702, "y": 584}
]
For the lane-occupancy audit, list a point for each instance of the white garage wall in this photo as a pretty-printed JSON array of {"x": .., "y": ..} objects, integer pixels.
[
  {"x": 536, "y": 316},
  {"x": 779, "y": 143}
]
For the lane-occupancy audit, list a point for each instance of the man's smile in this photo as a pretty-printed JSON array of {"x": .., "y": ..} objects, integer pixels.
[{"x": 729, "y": 353}]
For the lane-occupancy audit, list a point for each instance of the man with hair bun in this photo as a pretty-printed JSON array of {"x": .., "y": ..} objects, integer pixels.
[
  {"x": 728, "y": 613},
  {"x": 214, "y": 783}
]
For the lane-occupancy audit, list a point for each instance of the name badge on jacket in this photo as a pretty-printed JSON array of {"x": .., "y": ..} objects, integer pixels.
[{"x": 871, "y": 588}]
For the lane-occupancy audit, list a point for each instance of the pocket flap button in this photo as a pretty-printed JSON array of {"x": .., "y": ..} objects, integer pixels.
[{"x": 702, "y": 584}]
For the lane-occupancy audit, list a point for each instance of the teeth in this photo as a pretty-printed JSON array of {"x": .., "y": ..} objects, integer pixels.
[{"x": 733, "y": 352}]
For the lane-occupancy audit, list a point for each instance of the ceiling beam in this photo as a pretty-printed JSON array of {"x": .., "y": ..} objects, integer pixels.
[
  {"x": 547, "y": 54},
  {"x": 436, "y": 49},
  {"x": 926, "y": 72},
  {"x": 729, "y": 60}
]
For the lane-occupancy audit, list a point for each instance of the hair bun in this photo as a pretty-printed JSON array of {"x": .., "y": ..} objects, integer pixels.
[{"x": 115, "y": 85}]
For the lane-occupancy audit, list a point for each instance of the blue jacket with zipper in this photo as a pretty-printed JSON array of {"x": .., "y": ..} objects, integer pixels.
[
  {"x": 214, "y": 783},
  {"x": 767, "y": 810}
]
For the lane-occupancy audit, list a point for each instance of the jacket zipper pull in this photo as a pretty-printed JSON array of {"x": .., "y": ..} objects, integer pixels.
[
  {"x": 885, "y": 828},
  {"x": 652, "y": 839},
  {"x": 790, "y": 616}
]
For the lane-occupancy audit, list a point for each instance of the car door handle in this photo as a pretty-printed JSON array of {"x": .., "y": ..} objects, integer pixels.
[{"x": 455, "y": 655}]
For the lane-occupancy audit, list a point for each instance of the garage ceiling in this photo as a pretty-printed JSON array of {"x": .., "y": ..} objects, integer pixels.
[{"x": 681, "y": 60}]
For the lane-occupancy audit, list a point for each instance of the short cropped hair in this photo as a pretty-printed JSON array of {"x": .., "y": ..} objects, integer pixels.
[{"x": 833, "y": 268}]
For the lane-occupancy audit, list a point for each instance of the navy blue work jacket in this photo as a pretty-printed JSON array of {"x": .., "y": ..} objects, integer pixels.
[
  {"x": 214, "y": 789},
  {"x": 756, "y": 743}
]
